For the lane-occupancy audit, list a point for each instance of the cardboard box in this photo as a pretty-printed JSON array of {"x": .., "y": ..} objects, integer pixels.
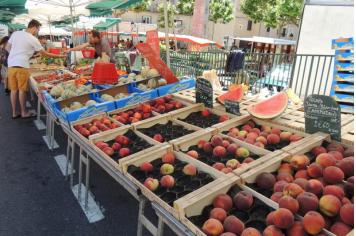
[
  {"x": 176, "y": 87},
  {"x": 344, "y": 66},
  {"x": 346, "y": 56},
  {"x": 343, "y": 77},
  {"x": 343, "y": 44}
]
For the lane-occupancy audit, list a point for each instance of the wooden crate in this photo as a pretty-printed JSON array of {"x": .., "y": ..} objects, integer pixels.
[
  {"x": 188, "y": 96},
  {"x": 156, "y": 154},
  {"x": 227, "y": 125},
  {"x": 124, "y": 109},
  {"x": 110, "y": 135},
  {"x": 347, "y": 133},
  {"x": 89, "y": 119},
  {"x": 164, "y": 119}
]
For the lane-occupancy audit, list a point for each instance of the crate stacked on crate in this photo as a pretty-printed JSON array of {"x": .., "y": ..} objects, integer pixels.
[{"x": 342, "y": 89}]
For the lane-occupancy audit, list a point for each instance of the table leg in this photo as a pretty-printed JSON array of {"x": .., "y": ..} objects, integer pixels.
[
  {"x": 67, "y": 157},
  {"x": 141, "y": 212},
  {"x": 160, "y": 226},
  {"x": 80, "y": 174},
  {"x": 87, "y": 182},
  {"x": 72, "y": 165}
]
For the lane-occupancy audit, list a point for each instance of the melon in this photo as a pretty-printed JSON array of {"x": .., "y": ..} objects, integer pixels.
[
  {"x": 270, "y": 108},
  {"x": 292, "y": 96},
  {"x": 236, "y": 95}
]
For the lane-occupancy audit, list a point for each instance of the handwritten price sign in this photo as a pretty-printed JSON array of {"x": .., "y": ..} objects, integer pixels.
[{"x": 204, "y": 92}]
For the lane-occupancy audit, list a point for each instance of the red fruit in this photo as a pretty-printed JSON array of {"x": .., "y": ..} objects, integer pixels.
[
  {"x": 169, "y": 107},
  {"x": 137, "y": 116},
  {"x": 161, "y": 108},
  {"x": 167, "y": 98},
  {"x": 205, "y": 112},
  {"x": 78, "y": 127},
  {"x": 114, "y": 125},
  {"x": 160, "y": 101},
  {"x": 178, "y": 105},
  {"x": 158, "y": 138},
  {"x": 146, "y": 115},
  {"x": 223, "y": 118},
  {"x": 116, "y": 146},
  {"x": 124, "y": 152},
  {"x": 173, "y": 102},
  {"x": 108, "y": 151},
  {"x": 146, "y": 108},
  {"x": 152, "y": 102},
  {"x": 93, "y": 121}
]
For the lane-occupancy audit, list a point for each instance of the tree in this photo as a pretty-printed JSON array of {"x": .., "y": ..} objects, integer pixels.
[
  {"x": 139, "y": 7},
  {"x": 171, "y": 10},
  {"x": 274, "y": 13},
  {"x": 220, "y": 11}
]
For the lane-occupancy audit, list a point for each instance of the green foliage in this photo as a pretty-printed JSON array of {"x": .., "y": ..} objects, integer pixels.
[
  {"x": 220, "y": 11},
  {"x": 170, "y": 10},
  {"x": 140, "y": 7},
  {"x": 275, "y": 13},
  {"x": 162, "y": 47}
]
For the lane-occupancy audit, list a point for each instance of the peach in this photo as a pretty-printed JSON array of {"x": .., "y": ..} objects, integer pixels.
[
  {"x": 93, "y": 128},
  {"x": 347, "y": 166},
  {"x": 227, "y": 170},
  {"x": 329, "y": 205},
  {"x": 252, "y": 135},
  {"x": 286, "y": 177},
  {"x": 315, "y": 186},
  {"x": 292, "y": 190},
  {"x": 243, "y": 133},
  {"x": 297, "y": 229},
  {"x": 225, "y": 143},
  {"x": 299, "y": 162},
  {"x": 315, "y": 170},
  {"x": 264, "y": 134},
  {"x": 116, "y": 146},
  {"x": 269, "y": 219},
  {"x": 333, "y": 174},
  {"x": 340, "y": 229},
  {"x": 278, "y": 187},
  {"x": 347, "y": 213},
  {"x": 122, "y": 140},
  {"x": 243, "y": 200},
  {"x": 335, "y": 147},
  {"x": 316, "y": 151},
  {"x": 246, "y": 128},
  {"x": 337, "y": 155},
  {"x": 248, "y": 160},
  {"x": 250, "y": 232},
  {"x": 146, "y": 166},
  {"x": 205, "y": 113},
  {"x": 219, "y": 151},
  {"x": 233, "y": 164},
  {"x": 168, "y": 158},
  {"x": 228, "y": 234},
  {"x": 193, "y": 154},
  {"x": 85, "y": 132},
  {"x": 223, "y": 118},
  {"x": 218, "y": 214},
  {"x": 242, "y": 152},
  {"x": 232, "y": 148},
  {"x": 167, "y": 181},
  {"x": 151, "y": 184},
  {"x": 266, "y": 128},
  {"x": 265, "y": 180},
  {"x": 295, "y": 138},
  {"x": 259, "y": 144},
  {"x": 352, "y": 200},
  {"x": 308, "y": 202},
  {"x": 232, "y": 135},
  {"x": 283, "y": 218},
  {"x": 261, "y": 139},
  {"x": 223, "y": 201},
  {"x": 234, "y": 130},
  {"x": 216, "y": 140},
  {"x": 335, "y": 191},
  {"x": 189, "y": 170},
  {"x": 251, "y": 123},
  {"x": 313, "y": 222},
  {"x": 158, "y": 138},
  {"x": 101, "y": 145},
  {"x": 350, "y": 185},
  {"x": 114, "y": 125},
  {"x": 208, "y": 147},
  {"x": 167, "y": 169},
  {"x": 343, "y": 186},
  {"x": 213, "y": 227},
  {"x": 285, "y": 136},
  {"x": 302, "y": 174},
  {"x": 289, "y": 203},
  {"x": 249, "y": 140},
  {"x": 257, "y": 131},
  {"x": 327, "y": 222},
  {"x": 219, "y": 166},
  {"x": 349, "y": 153},
  {"x": 345, "y": 201},
  {"x": 234, "y": 225},
  {"x": 322, "y": 181},
  {"x": 275, "y": 131},
  {"x": 325, "y": 160},
  {"x": 301, "y": 182},
  {"x": 201, "y": 144},
  {"x": 273, "y": 139},
  {"x": 276, "y": 196},
  {"x": 272, "y": 230},
  {"x": 108, "y": 151}
]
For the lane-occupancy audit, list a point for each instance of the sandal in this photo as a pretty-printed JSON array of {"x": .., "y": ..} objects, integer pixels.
[
  {"x": 17, "y": 116},
  {"x": 31, "y": 115}
]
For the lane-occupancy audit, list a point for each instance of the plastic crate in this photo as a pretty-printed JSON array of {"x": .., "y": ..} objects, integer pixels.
[
  {"x": 88, "y": 53},
  {"x": 55, "y": 50},
  {"x": 104, "y": 73}
]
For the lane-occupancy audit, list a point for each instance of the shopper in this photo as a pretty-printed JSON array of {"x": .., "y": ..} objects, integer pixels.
[
  {"x": 46, "y": 43},
  {"x": 99, "y": 44},
  {"x": 21, "y": 47},
  {"x": 4, "y": 65},
  {"x": 128, "y": 44}
]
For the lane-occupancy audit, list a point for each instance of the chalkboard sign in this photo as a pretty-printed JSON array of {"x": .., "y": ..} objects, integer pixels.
[
  {"x": 232, "y": 107},
  {"x": 322, "y": 113},
  {"x": 204, "y": 92}
]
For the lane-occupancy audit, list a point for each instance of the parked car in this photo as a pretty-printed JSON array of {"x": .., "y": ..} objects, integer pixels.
[{"x": 279, "y": 77}]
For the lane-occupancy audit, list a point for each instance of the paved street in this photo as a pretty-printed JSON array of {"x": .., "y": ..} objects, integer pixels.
[{"x": 36, "y": 200}]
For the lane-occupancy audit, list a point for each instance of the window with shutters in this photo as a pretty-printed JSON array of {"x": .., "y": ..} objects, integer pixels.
[{"x": 249, "y": 25}]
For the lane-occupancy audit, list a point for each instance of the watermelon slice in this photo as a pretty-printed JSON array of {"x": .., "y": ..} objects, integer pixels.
[
  {"x": 270, "y": 108},
  {"x": 236, "y": 95}
]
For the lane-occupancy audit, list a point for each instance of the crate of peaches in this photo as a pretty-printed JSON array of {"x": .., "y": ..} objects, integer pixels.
[
  {"x": 132, "y": 114},
  {"x": 165, "y": 104},
  {"x": 230, "y": 208},
  {"x": 202, "y": 117},
  {"x": 119, "y": 145},
  {"x": 262, "y": 134},
  {"x": 313, "y": 182},
  {"x": 165, "y": 175},
  {"x": 96, "y": 124},
  {"x": 222, "y": 152}
]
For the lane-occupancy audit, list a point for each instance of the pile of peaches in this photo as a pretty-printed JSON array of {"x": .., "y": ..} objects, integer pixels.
[
  {"x": 134, "y": 115},
  {"x": 164, "y": 104},
  {"x": 316, "y": 191},
  {"x": 95, "y": 127}
]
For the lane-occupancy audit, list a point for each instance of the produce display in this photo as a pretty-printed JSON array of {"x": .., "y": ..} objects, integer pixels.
[
  {"x": 236, "y": 94},
  {"x": 52, "y": 77},
  {"x": 204, "y": 119},
  {"x": 164, "y": 104},
  {"x": 271, "y": 107},
  {"x": 95, "y": 127},
  {"x": 267, "y": 137},
  {"x": 77, "y": 105},
  {"x": 145, "y": 73},
  {"x": 141, "y": 112},
  {"x": 86, "y": 71},
  {"x": 64, "y": 91}
]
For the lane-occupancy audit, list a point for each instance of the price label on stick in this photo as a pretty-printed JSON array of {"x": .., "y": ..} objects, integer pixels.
[
  {"x": 322, "y": 114},
  {"x": 204, "y": 92},
  {"x": 232, "y": 107}
]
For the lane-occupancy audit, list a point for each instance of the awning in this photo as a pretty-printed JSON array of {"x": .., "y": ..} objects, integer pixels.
[
  {"x": 266, "y": 40},
  {"x": 104, "y": 4},
  {"x": 13, "y": 26},
  {"x": 190, "y": 39},
  {"x": 110, "y": 22}
]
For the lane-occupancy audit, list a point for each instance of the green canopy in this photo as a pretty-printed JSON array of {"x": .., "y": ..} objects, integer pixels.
[
  {"x": 13, "y": 26},
  {"x": 100, "y": 13},
  {"x": 65, "y": 22},
  {"x": 15, "y": 6},
  {"x": 104, "y": 4},
  {"x": 108, "y": 24},
  {"x": 6, "y": 16}
]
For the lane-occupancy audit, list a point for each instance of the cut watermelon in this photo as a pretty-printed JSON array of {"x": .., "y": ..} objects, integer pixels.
[
  {"x": 236, "y": 95},
  {"x": 270, "y": 108}
]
